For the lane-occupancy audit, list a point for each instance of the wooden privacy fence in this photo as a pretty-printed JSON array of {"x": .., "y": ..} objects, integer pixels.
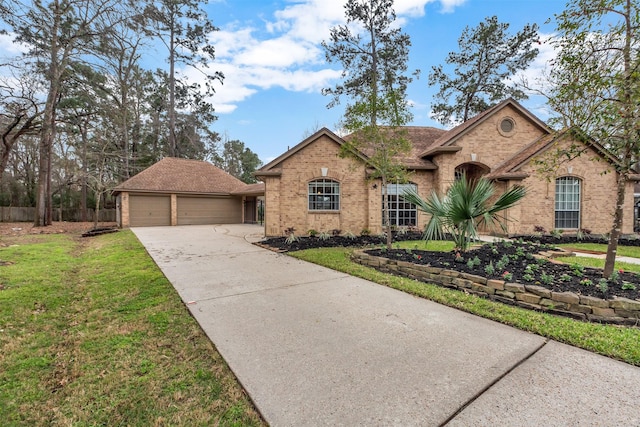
[{"x": 22, "y": 214}]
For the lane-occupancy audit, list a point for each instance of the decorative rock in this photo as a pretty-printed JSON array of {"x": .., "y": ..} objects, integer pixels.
[
  {"x": 593, "y": 301},
  {"x": 528, "y": 306},
  {"x": 607, "y": 312},
  {"x": 482, "y": 288},
  {"x": 496, "y": 284},
  {"x": 568, "y": 297},
  {"x": 528, "y": 298},
  {"x": 577, "y": 308},
  {"x": 463, "y": 283},
  {"x": 625, "y": 303},
  {"x": 538, "y": 290},
  {"x": 474, "y": 278},
  {"x": 514, "y": 287},
  {"x": 450, "y": 273},
  {"x": 506, "y": 294},
  {"x": 627, "y": 313}
]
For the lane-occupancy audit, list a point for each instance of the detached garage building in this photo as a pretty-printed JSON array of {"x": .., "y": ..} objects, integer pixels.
[{"x": 186, "y": 192}]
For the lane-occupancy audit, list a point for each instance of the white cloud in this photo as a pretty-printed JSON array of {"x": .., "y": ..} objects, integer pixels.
[
  {"x": 534, "y": 76},
  {"x": 290, "y": 56},
  {"x": 448, "y": 6},
  {"x": 9, "y": 48}
]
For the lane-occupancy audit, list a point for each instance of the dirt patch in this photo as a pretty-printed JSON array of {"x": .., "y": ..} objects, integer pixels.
[{"x": 25, "y": 228}]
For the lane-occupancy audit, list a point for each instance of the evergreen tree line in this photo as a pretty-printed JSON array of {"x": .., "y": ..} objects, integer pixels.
[{"x": 80, "y": 111}]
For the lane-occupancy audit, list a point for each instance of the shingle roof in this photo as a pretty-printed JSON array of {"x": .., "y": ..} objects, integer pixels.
[
  {"x": 251, "y": 189},
  {"x": 421, "y": 137},
  {"x": 183, "y": 176}
]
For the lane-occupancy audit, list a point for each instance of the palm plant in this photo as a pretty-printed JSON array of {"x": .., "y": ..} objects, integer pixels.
[{"x": 463, "y": 209}]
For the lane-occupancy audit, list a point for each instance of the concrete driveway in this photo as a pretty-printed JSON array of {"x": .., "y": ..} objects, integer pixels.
[{"x": 315, "y": 347}]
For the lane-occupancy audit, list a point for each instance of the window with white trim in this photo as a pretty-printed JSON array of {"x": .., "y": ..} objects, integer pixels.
[
  {"x": 324, "y": 195},
  {"x": 401, "y": 212},
  {"x": 567, "y": 207}
]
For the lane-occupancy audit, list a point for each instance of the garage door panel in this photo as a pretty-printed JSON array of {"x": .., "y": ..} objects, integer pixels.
[
  {"x": 209, "y": 210},
  {"x": 147, "y": 211}
]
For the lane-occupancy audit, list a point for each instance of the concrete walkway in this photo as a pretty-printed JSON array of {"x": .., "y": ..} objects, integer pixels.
[{"x": 315, "y": 347}]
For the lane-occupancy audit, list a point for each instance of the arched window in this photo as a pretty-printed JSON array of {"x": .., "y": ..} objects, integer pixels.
[
  {"x": 324, "y": 195},
  {"x": 567, "y": 208},
  {"x": 401, "y": 212}
]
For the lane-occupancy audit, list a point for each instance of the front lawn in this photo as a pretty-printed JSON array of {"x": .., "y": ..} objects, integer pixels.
[
  {"x": 630, "y": 251},
  {"x": 92, "y": 333},
  {"x": 613, "y": 341}
]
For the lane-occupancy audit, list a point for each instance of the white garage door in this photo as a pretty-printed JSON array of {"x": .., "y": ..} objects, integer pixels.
[
  {"x": 146, "y": 211},
  {"x": 209, "y": 210}
]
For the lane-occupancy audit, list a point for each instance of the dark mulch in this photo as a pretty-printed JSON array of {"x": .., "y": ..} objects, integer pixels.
[
  {"x": 99, "y": 231},
  {"x": 511, "y": 261},
  {"x": 301, "y": 243}
]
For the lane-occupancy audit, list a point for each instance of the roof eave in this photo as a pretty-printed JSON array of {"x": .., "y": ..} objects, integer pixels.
[{"x": 447, "y": 149}]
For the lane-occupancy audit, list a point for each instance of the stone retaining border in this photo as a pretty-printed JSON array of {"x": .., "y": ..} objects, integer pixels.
[{"x": 619, "y": 311}]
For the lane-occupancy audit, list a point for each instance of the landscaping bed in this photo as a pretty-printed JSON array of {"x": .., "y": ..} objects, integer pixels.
[
  {"x": 528, "y": 269},
  {"x": 527, "y": 263}
]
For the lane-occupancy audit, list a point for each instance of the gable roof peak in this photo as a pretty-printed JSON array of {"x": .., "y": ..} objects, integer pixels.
[{"x": 452, "y": 135}]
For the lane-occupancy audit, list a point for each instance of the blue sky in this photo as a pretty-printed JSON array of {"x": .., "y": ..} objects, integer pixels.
[
  {"x": 271, "y": 56},
  {"x": 274, "y": 65}
]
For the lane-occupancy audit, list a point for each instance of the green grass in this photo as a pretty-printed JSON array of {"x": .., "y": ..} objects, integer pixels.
[
  {"x": 423, "y": 245},
  {"x": 630, "y": 251},
  {"x": 617, "y": 342},
  {"x": 92, "y": 333}
]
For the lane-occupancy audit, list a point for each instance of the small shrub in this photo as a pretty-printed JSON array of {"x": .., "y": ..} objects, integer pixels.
[
  {"x": 312, "y": 233},
  {"x": 628, "y": 286},
  {"x": 547, "y": 279},
  {"x": 586, "y": 282},
  {"x": 365, "y": 232},
  {"x": 533, "y": 267},
  {"x": 614, "y": 276},
  {"x": 336, "y": 232},
  {"x": 476, "y": 261},
  {"x": 349, "y": 235},
  {"x": 507, "y": 243},
  {"x": 489, "y": 269},
  {"x": 603, "y": 285},
  {"x": 556, "y": 233},
  {"x": 506, "y": 276},
  {"x": 565, "y": 278},
  {"x": 459, "y": 258},
  {"x": 470, "y": 264},
  {"x": 529, "y": 255},
  {"x": 539, "y": 229},
  {"x": 324, "y": 235},
  {"x": 578, "y": 270},
  {"x": 291, "y": 238},
  {"x": 527, "y": 277}
]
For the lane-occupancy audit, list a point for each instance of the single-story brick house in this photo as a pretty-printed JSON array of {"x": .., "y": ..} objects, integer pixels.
[
  {"x": 311, "y": 187},
  {"x": 185, "y": 192}
]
